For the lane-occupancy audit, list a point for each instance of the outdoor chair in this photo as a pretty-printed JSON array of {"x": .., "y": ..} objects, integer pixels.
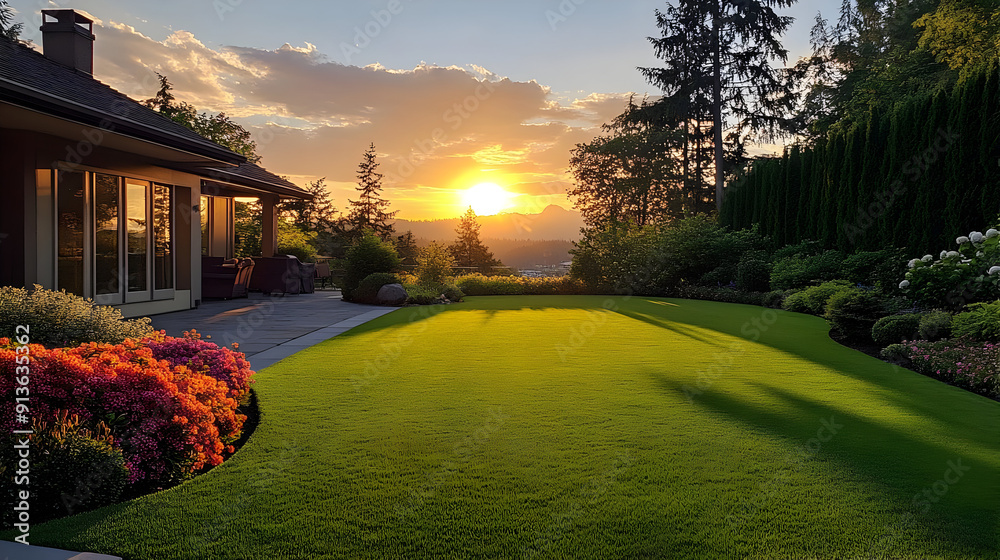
[
  {"x": 323, "y": 274},
  {"x": 225, "y": 279}
]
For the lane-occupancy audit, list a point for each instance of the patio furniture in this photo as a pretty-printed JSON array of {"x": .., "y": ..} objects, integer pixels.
[
  {"x": 307, "y": 275},
  {"x": 323, "y": 274},
  {"x": 276, "y": 274},
  {"x": 225, "y": 279}
]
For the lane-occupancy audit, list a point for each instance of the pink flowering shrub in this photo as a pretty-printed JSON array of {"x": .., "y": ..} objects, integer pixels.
[
  {"x": 965, "y": 363},
  {"x": 229, "y": 366},
  {"x": 168, "y": 420}
]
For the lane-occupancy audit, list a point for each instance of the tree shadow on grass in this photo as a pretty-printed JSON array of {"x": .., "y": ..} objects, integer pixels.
[{"x": 897, "y": 464}]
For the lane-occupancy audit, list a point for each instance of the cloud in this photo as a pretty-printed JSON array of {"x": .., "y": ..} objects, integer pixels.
[{"x": 434, "y": 127}]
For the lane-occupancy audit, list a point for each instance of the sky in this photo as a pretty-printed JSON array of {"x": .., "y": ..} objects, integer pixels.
[{"x": 452, "y": 93}]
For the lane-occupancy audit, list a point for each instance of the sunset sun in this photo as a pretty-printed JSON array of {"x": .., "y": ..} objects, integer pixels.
[{"x": 487, "y": 199}]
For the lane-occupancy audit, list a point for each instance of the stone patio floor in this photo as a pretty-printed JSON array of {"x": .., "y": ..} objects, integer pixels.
[
  {"x": 268, "y": 330},
  {"x": 271, "y": 328}
]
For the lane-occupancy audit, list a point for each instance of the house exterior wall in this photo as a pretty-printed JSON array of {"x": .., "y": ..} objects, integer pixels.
[
  {"x": 28, "y": 251},
  {"x": 14, "y": 182}
]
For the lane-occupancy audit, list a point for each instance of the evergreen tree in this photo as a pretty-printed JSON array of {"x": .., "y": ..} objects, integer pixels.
[
  {"x": 318, "y": 214},
  {"x": 370, "y": 211},
  {"x": 218, "y": 128},
  {"x": 406, "y": 246},
  {"x": 469, "y": 250},
  {"x": 8, "y": 29},
  {"x": 718, "y": 54}
]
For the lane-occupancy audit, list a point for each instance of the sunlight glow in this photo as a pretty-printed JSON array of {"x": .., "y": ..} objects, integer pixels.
[{"x": 487, "y": 199}]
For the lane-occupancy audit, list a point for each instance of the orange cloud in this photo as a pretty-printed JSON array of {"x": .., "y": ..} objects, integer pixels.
[{"x": 437, "y": 129}]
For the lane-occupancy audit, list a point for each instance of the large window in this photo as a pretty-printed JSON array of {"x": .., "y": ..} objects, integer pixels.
[
  {"x": 217, "y": 226},
  {"x": 70, "y": 194},
  {"x": 163, "y": 249},
  {"x": 115, "y": 237},
  {"x": 138, "y": 235},
  {"x": 107, "y": 237}
]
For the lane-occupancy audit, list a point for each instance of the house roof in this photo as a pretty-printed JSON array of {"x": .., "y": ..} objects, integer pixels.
[
  {"x": 30, "y": 80},
  {"x": 258, "y": 178}
]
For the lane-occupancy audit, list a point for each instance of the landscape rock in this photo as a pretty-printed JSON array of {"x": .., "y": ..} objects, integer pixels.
[{"x": 391, "y": 294}]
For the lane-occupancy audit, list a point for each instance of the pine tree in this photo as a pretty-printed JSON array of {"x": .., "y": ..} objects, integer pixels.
[
  {"x": 318, "y": 214},
  {"x": 8, "y": 29},
  {"x": 370, "y": 211},
  {"x": 406, "y": 246},
  {"x": 718, "y": 55},
  {"x": 468, "y": 250}
]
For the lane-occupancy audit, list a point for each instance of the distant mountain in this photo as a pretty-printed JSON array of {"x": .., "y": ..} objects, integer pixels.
[
  {"x": 524, "y": 254},
  {"x": 553, "y": 223}
]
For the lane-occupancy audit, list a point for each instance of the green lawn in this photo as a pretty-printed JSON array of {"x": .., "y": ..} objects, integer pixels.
[{"x": 551, "y": 427}]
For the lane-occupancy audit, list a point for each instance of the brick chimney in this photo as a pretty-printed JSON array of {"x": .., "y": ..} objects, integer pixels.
[{"x": 68, "y": 38}]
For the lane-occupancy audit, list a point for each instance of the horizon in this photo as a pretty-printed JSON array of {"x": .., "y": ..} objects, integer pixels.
[{"x": 451, "y": 98}]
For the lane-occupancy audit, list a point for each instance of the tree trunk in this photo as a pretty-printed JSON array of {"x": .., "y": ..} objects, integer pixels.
[{"x": 717, "y": 102}]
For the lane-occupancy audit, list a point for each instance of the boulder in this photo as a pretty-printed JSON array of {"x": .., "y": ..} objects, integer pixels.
[{"x": 391, "y": 294}]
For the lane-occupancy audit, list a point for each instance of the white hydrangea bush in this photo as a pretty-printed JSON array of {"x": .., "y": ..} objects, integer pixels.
[{"x": 959, "y": 276}]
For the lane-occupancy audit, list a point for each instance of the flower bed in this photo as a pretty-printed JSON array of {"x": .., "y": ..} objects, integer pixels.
[
  {"x": 964, "y": 363},
  {"x": 170, "y": 403}
]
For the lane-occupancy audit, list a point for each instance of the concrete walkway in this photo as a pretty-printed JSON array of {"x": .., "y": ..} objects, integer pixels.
[
  {"x": 268, "y": 330},
  {"x": 17, "y": 551}
]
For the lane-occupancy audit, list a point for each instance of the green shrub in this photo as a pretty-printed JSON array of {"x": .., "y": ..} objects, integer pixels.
[
  {"x": 58, "y": 319},
  {"x": 479, "y": 285},
  {"x": 698, "y": 250},
  {"x": 422, "y": 295},
  {"x": 935, "y": 325},
  {"x": 896, "y": 353},
  {"x": 813, "y": 300},
  {"x": 798, "y": 271},
  {"x": 853, "y": 313},
  {"x": 803, "y": 248},
  {"x": 434, "y": 264},
  {"x": 896, "y": 328},
  {"x": 296, "y": 242},
  {"x": 367, "y": 290},
  {"x": 981, "y": 322},
  {"x": 753, "y": 274},
  {"x": 725, "y": 295},
  {"x": 774, "y": 299},
  {"x": 615, "y": 258},
  {"x": 72, "y": 469},
  {"x": 622, "y": 258},
  {"x": 452, "y": 292},
  {"x": 881, "y": 269},
  {"x": 368, "y": 255}
]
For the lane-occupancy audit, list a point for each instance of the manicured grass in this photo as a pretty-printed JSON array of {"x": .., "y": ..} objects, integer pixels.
[{"x": 550, "y": 427}]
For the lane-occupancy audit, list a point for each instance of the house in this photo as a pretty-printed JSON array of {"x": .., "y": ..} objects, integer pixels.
[{"x": 104, "y": 197}]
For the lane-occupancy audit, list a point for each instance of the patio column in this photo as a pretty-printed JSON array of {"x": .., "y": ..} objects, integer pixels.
[{"x": 269, "y": 226}]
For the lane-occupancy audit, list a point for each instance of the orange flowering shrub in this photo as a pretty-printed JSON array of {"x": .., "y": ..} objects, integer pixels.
[{"x": 168, "y": 420}]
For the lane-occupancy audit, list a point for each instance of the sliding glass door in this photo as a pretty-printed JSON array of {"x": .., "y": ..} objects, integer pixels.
[
  {"x": 114, "y": 237},
  {"x": 107, "y": 238}
]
